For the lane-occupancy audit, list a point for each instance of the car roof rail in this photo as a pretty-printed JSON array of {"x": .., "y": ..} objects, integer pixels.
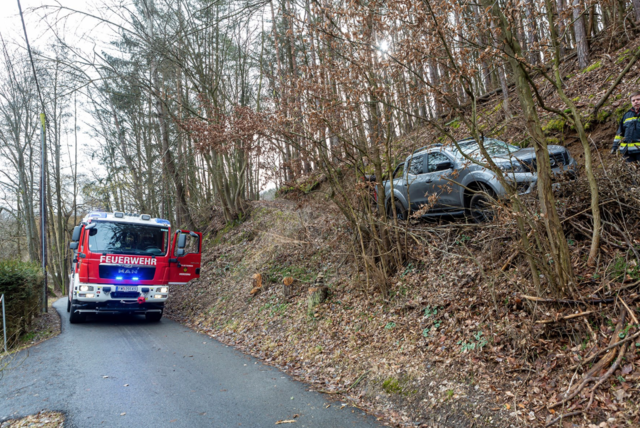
[
  {"x": 466, "y": 139},
  {"x": 426, "y": 147}
]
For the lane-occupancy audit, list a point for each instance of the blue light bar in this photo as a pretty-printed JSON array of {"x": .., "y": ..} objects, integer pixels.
[
  {"x": 163, "y": 221},
  {"x": 97, "y": 214},
  {"x": 119, "y": 277},
  {"x": 135, "y": 278}
]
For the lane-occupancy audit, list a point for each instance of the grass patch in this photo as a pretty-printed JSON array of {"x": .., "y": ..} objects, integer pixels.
[{"x": 620, "y": 269}]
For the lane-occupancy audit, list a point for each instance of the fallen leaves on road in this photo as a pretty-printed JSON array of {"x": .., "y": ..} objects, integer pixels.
[
  {"x": 288, "y": 421},
  {"x": 42, "y": 419}
]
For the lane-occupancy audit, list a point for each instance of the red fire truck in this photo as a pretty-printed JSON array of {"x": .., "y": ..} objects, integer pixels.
[{"x": 126, "y": 263}]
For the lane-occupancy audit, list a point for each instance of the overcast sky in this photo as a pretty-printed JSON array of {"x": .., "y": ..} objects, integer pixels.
[{"x": 76, "y": 30}]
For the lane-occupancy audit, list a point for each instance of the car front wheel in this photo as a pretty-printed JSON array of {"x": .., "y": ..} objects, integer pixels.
[
  {"x": 481, "y": 208},
  {"x": 401, "y": 213}
]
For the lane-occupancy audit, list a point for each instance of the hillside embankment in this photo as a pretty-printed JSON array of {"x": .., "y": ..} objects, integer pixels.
[{"x": 458, "y": 341}]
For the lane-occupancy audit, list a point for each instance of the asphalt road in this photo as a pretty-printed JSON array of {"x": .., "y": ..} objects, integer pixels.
[{"x": 125, "y": 372}]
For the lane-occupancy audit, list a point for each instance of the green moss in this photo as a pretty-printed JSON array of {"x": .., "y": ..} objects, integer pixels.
[
  {"x": 554, "y": 125},
  {"x": 553, "y": 140},
  {"x": 391, "y": 386},
  {"x": 592, "y": 67},
  {"x": 226, "y": 229},
  {"x": 455, "y": 123},
  {"x": 603, "y": 115},
  {"x": 576, "y": 99},
  {"x": 623, "y": 57},
  {"x": 620, "y": 111}
]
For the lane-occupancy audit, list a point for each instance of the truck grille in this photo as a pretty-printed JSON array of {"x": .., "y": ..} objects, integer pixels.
[
  {"x": 125, "y": 295},
  {"x": 123, "y": 272}
]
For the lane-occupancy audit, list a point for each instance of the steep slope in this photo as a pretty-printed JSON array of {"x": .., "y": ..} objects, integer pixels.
[{"x": 457, "y": 342}]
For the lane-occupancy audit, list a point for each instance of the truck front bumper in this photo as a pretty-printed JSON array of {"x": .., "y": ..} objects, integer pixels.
[{"x": 117, "y": 307}]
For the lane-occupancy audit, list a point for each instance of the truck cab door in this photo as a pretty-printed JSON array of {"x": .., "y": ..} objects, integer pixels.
[{"x": 185, "y": 257}]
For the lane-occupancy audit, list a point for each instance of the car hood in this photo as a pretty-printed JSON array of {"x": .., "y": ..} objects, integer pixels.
[{"x": 528, "y": 154}]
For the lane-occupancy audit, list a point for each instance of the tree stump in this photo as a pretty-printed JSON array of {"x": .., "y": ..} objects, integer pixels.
[
  {"x": 287, "y": 287},
  {"x": 257, "y": 284},
  {"x": 318, "y": 293}
]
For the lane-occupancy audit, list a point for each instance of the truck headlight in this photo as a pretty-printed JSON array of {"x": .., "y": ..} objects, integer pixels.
[
  {"x": 90, "y": 295},
  {"x": 163, "y": 289},
  {"x": 86, "y": 288},
  {"x": 159, "y": 296}
]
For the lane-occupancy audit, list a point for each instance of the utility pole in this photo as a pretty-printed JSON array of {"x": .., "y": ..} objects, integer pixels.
[
  {"x": 43, "y": 171},
  {"x": 43, "y": 208}
]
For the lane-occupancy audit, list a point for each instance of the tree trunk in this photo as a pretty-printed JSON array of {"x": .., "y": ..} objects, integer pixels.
[{"x": 582, "y": 43}]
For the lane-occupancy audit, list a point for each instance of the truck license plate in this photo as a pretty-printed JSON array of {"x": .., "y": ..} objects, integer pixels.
[{"x": 124, "y": 288}]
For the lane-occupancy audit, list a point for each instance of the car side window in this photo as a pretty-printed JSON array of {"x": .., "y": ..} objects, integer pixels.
[
  {"x": 416, "y": 165},
  {"x": 438, "y": 162}
]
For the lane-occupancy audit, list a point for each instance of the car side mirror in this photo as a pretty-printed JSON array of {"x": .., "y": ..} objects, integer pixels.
[
  {"x": 73, "y": 245},
  {"x": 444, "y": 166}
]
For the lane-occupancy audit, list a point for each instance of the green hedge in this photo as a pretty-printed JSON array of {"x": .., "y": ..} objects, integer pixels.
[{"x": 21, "y": 284}]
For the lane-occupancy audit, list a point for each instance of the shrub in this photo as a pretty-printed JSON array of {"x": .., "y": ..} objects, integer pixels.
[{"x": 21, "y": 284}]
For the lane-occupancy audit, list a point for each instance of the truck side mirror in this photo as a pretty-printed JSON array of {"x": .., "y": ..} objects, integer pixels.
[
  {"x": 75, "y": 236},
  {"x": 182, "y": 240},
  {"x": 73, "y": 245},
  {"x": 180, "y": 252}
]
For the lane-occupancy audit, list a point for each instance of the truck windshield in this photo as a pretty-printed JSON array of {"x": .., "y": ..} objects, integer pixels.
[{"x": 127, "y": 238}]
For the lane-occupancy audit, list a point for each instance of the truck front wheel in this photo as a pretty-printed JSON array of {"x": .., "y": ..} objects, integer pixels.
[
  {"x": 153, "y": 316},
  {"x": 76, "y": 317}
]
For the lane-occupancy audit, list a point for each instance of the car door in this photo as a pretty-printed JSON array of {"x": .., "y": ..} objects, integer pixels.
[
  {"x": 439, "y": 182},
  {"x": 416, "y": 181},
  {"x": 186, "y": 255}
]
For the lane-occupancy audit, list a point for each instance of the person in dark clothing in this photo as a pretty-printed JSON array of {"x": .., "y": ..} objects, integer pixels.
[{"x": 627, "y": 139}]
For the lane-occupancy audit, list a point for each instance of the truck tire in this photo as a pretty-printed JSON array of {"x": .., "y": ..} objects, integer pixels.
[
  {"x": 153, "y": 316},
  {"x": 76, "y": 317},
  {"x": 401, "y": 213},
  {"x": 481, "y": 209}
]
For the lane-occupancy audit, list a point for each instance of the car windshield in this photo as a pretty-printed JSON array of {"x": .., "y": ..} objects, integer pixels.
[
  {"x": 493, "y": 147},
  {"x": 128, "y": 238}
]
